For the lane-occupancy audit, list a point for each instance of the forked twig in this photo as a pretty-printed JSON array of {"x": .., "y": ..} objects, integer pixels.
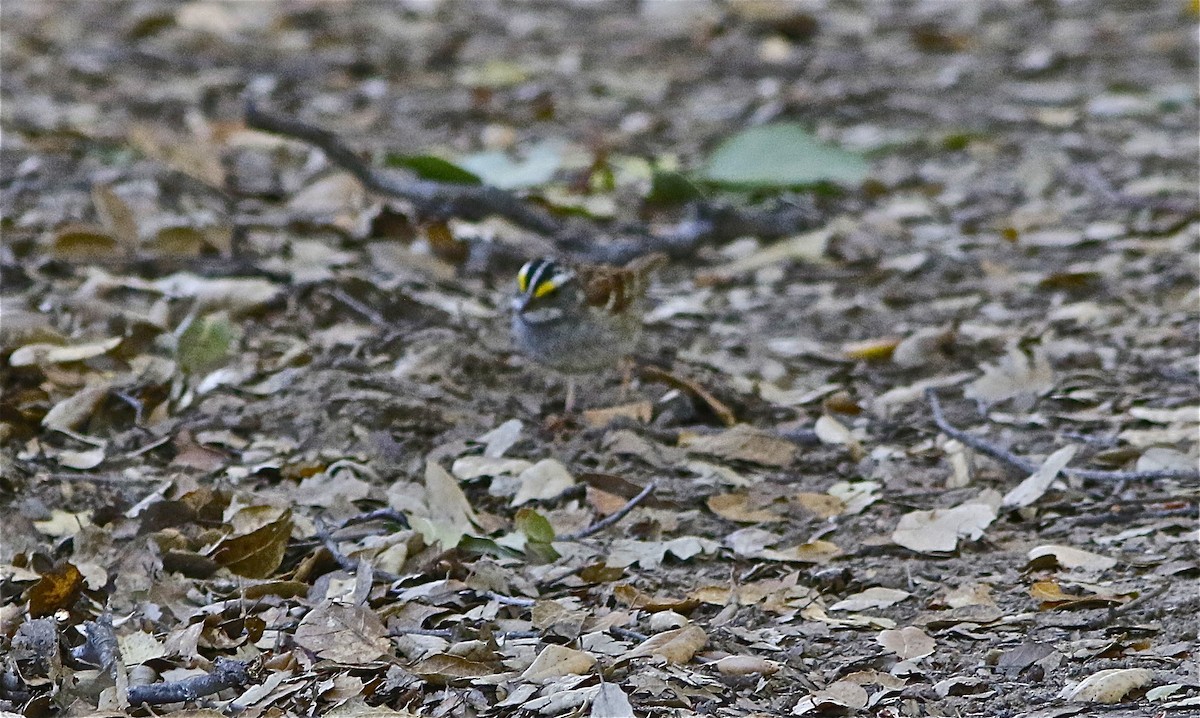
[
  {"x": 612, "y": 518},
  {"x": 1026, "y": 466}
]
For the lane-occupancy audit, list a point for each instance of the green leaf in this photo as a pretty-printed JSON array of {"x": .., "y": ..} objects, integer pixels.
[
  {"x": 206, "y": 343},
  {"x": 498, "y": 169},
  {"x": 668, "y": 187},
  {"x": 485, "y": 547},
  {"x": 432, "y": 168},
  {"x": 534, "y": 526},
  {"x": 781, "y": 155}
]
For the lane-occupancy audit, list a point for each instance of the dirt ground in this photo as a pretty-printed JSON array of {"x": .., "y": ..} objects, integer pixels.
[{"x": 220, "y": 352}]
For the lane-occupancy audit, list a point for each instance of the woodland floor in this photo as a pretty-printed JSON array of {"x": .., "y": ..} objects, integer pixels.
[{"x": 217, "y": 349}]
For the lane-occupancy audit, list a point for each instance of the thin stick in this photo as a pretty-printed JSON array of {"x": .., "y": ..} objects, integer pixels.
[
  {"x": 612, "y": 518},
  {"x": 1026, "y": 466},
  {"x": 435, "y": 199},
  {"x": 226, "y": 674}
]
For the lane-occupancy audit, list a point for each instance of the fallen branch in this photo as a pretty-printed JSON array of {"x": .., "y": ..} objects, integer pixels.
[
  {"x": 708, "y": 223},
  {"x": 433, "y": 199},
  {"x": 1028, "y": 467},
  {"x": 1112, "y": 613},
  {"x": 612, "y": 518},
  {"x": 226, "y": 674}
]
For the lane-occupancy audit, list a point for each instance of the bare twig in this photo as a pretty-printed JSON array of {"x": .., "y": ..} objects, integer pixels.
[
  {"x": 1111, "y": 614},
  {"x": 368, "y": 313},
  {"x": 226, "y": 674},
  {"x": 627, "y": 634},
  {"x": 377, "y": 515},
  {"x": 433, "y": 199},
  {"x": 708, "y": 223},
  {"x": 1028, "y": 467},
  {"x": 612, "y": 518}
]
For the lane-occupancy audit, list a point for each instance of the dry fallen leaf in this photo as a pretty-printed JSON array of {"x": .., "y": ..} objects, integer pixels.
[
  {"x": 41, "y": 354},
  {"x": 1016, "y": 374},
  {"x": 675, "y": 646},
  {"x": 835, "y": 698},
  {"x": 875, "y": 597},
  {"x": 908, "y": 643},
  {"x": 57, "y": 588},
  {"x": 1032, "y": 488},
  {"x": 450, "y": 514},
  {"x": 1073, "y": 558},
  {"x": 736, "y": 507},
  {"x": 444, "y": 669},
  {"x": 346, "y": 634},
  {"x": 639, "y": 411},
  {"x": 738, "y": 666},
  {"x": 611, "y": 702},
  {"x": 544, "y": 480},
  {"x": 941, "y": 529},
  {"x": 557, "y": 661},
  {"x": 1109, "y": 686},
  {"x": 258, "y": 553},
  {"x": 746, "y": 443}
]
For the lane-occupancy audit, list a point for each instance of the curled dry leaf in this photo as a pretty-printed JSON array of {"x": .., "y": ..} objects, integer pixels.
[
  {"x": 739, "y": 666},
  {"x": 1109, "y": 686},
  {"x": 346, "y": 634},
  {"x": 941, "y": 529},
  {"x": 41, "y": 354},
  {"x": 736, "y": 507},
  {"x": 1032, "y": 488},
  {"x": 908, "y": 643},
  {"x": 677, "y": 646},
  {"x": 1069, "y": 557},
  {"x": 557, "y": 661},
  {"x": 746, "y": 443}
]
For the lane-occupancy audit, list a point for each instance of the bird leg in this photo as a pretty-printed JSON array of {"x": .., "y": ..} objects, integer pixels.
[{"x": 569, "y": 404}]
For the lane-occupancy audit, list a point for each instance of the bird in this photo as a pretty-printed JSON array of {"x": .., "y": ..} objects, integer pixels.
[{"x": 580, "y": 319}]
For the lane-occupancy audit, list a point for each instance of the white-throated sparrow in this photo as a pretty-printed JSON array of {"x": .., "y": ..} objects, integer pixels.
[{"x": 582, "y": 318}]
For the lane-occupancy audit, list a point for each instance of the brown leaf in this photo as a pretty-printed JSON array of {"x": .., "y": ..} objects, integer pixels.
[
  {"x": 746, "y": 443},
  {"x": 907, "y": 643},
  {"x": 258, "y": 553},
  {"x": 557, "y": 661},
  {"x": 346, "y": 634},
  {"x": 675, "y": 646},
  {"x": 641, "y": 411},
  {"x": 736, "y": 507},
  {"x": 57, "y": 588},
  {"x": 635, "y": 598},
  {"x": 117, "y": 215},
  {"x": 443, "y": 669}
]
